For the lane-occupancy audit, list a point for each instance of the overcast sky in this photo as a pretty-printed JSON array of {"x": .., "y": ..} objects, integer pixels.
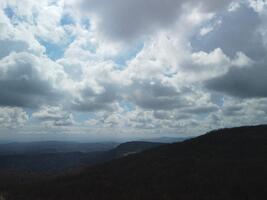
[{"x": 101, "y": 70}]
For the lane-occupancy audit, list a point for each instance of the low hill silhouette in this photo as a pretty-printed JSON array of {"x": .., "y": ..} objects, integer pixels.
[
  {"x": 53, "y": 162},
  {"x": 224, "y": 164}
]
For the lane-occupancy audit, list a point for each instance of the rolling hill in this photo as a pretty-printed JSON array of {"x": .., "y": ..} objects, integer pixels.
[
  {"x": 53, "y": 147},
  {"x": 224, "y": 164},
  {"x": 30, "y": 158}
]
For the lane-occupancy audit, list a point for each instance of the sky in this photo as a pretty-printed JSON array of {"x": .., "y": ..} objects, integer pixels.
[{"x": 125, "y": 69}]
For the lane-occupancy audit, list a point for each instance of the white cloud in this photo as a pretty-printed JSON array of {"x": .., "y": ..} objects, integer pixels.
[
  {"x": 12, "y": 38},
  {"x": 30, "y": 81},
  {"x": 258, "y": 5},
  {"x": 53, "y": 115},
  {"x": 205, "y": 30},
  {"x": 101, "y": 75},
  {"x": 233, "y": 6},
  {"x": 12, "y": 117},
  {"x": 124, "y": 19}
]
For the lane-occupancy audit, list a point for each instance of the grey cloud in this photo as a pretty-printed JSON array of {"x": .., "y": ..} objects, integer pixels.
[
  {"x": 169, "y": 115},
  {"x": 89, "y": 105},
  {"x": 128, "y": 19},
  {"x": 91, "y": 101},
  {"x": 155, "y": 95},
  {"x": 232, "y": 110},
  {"x": 162, "y": 115},
  {"x": 56, "y": 115},
  {"x": 22, "y": 85},
  {"x": 205, "y": 109},
  {"x": 12, "y": 117},
  {"x": 187, "y": 112},
  {"x": 9, "y": 46},
  {"x": 64, "y": 122},
  {"x": 237, "y": 32},
  {"x": 242, "y": 82},
  {"x": 262, "y": 105}
]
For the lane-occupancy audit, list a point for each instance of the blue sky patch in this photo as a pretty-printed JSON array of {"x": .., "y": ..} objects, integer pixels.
[
  {"x": 55, "y": 51},
  {"x": 81, "y": 117},
  {"x": 67, "y": 20},
  {"x": 9, "y": 12},
  {"x": 128, "y": 55},
  {"x": 127, "y": 106}
]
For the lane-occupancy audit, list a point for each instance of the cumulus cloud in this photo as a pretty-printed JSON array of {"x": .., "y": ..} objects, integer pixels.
[
  {"x": 232, "y": 36},
  {"x": 12, "y": 38},
  {"x": 145, "y": 66},
  {"x": 156, "y": 95},
  {"x": 128, "y": 20},
  {"x": 12, "y": 117},
  {"x": 54, "y": 115},
  {"x": 9, "y": 46},
  {"x": 243, "y": 83},
  {"x": 26, "y": 81},
  {"x": 99, "y": 89}
]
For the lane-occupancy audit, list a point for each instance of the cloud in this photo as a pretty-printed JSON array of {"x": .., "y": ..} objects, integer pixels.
[
  {"x": 232, "y": 36},
  {"x": 12, "y": 38},
  {"x": 25, "y": 81},
  {"x": 155, "y": 95},
  {"x": 12, "y": 117},
  {"x": 243, "y": 83},
  {"x": 8, "y": 46},
  {"x": 127, "y": 20},
  {"x": 143, "y": 66},
  {"x": 99, "y": 89},
  {"x": 54, "y": 115}
]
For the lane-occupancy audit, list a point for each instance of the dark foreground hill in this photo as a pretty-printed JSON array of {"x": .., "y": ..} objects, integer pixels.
[{"x": 226, "y": 164}]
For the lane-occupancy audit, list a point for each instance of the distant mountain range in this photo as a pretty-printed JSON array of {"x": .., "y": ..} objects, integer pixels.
[
  {"x": 59, "y": 156},
  {"x": 53, "y": 147},
  {"x": 224, "y": 164},
  {"x": 41, "y": 147},
  {"x": 166, "y": 139}
]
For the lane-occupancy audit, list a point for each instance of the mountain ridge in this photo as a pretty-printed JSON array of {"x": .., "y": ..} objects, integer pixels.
[
  {"x": 53, "y": 162},
  {"x": 222, "y": 164}
]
